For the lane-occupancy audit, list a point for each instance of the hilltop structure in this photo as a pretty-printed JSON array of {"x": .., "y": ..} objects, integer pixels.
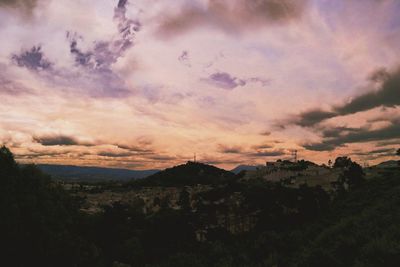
[{"x": 295, "y": 173}]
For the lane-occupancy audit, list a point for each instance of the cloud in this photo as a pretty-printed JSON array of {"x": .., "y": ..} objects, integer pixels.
[
  {"x": 184, "y": 58},
  {"x": 232, "y": 15},
  {"x": 227, "y": 81},
  {"x": 32, "y": 59},
  {"x": 262, "y": 81},
  {"x": 105, "y": 53},
  {"x": 312, "y": 117},
  {"x": 224, "y": 80},
  {"x": 388, "y": 142},
  {"x": 60, "y": 140},
  {"x": 380, "y": 152},
  {"x": 230, "y": 149},
  {"x": 268, "y": 153},
  {"x": 136, "y": 149},
  {"x": 11, "y": 87},
  {"x": 338, "y": 131},
  {"x": 162, "y": 158},
  {"x": 97, "y": 61},
  {"x": 332, "y": 141},
  {"x": 388, "y": 95},
  {"x": 112, "y": 154},
  {"x": 94, "y": 71},
  {"x": 35, "y": 153},
  {"x": 265, "y": 133},
  {"x": 255, "y": 151},
  {"x": 263, "y": 146},
  {"x": 26, "y": 6}
]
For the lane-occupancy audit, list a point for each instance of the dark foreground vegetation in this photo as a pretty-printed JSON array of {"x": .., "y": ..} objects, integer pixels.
[{"x": 357, "y": 224}]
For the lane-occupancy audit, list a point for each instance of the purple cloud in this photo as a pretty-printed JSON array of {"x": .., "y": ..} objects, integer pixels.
[
  {"x": 225, "y": 80},
  {"x": 184, "y": 58},
  {"x": 32, "y": 59}
]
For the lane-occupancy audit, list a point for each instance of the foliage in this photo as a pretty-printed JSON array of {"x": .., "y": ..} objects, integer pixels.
[
  {"x": 38, "y": 219},
  {"x": 41, "y": 224},
  {"x": 342, "y": 162}
]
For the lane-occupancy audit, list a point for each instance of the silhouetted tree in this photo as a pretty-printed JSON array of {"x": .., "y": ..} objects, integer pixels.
[
  {"x": 39, "y": 220},
  {"x": 184, "y": 200},
  {"x": 342, "y": 162},
  {"x": 352, "y": 175}
]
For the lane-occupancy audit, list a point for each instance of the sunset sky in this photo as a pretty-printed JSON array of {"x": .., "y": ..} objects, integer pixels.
[{"x": 146, "y": 83}]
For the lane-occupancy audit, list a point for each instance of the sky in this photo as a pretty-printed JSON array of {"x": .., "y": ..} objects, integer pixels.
[{"x": 144, "y": 84}]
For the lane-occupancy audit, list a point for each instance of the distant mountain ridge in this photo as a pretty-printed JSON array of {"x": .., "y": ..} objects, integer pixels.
[
  {"x": 387, "y": 164},
  {"x": 92, "y": 174}
]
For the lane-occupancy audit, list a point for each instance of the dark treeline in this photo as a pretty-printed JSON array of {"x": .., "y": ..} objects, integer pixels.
[{"x": 357, "y": 224}]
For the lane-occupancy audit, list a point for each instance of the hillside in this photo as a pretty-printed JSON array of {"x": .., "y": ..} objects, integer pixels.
[
  {"x": 191, "y": 173},
  {"x": 360, "y": 228},
  {"x": 92, "y": 174},
  {"x": 240, "y": 168}
]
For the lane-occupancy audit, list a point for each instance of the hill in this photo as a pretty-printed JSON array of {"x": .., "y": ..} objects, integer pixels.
[
  {"x": 191, "y": 173},
  {"x": 240, "y": 168},
  {"x": 92, "y": 174},
  {"x": 388, "y": 164}
]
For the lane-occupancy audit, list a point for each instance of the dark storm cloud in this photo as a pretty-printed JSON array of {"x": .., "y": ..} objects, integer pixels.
[
  {"x": 332, "y": 141},
  {"x": 224, "y": 80},
  {"x": 60, "y": 140},
  {"x": 388, "y": 95},
  {"x": 33, "y": 59},
  {"x": 232, "y": 15}
]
